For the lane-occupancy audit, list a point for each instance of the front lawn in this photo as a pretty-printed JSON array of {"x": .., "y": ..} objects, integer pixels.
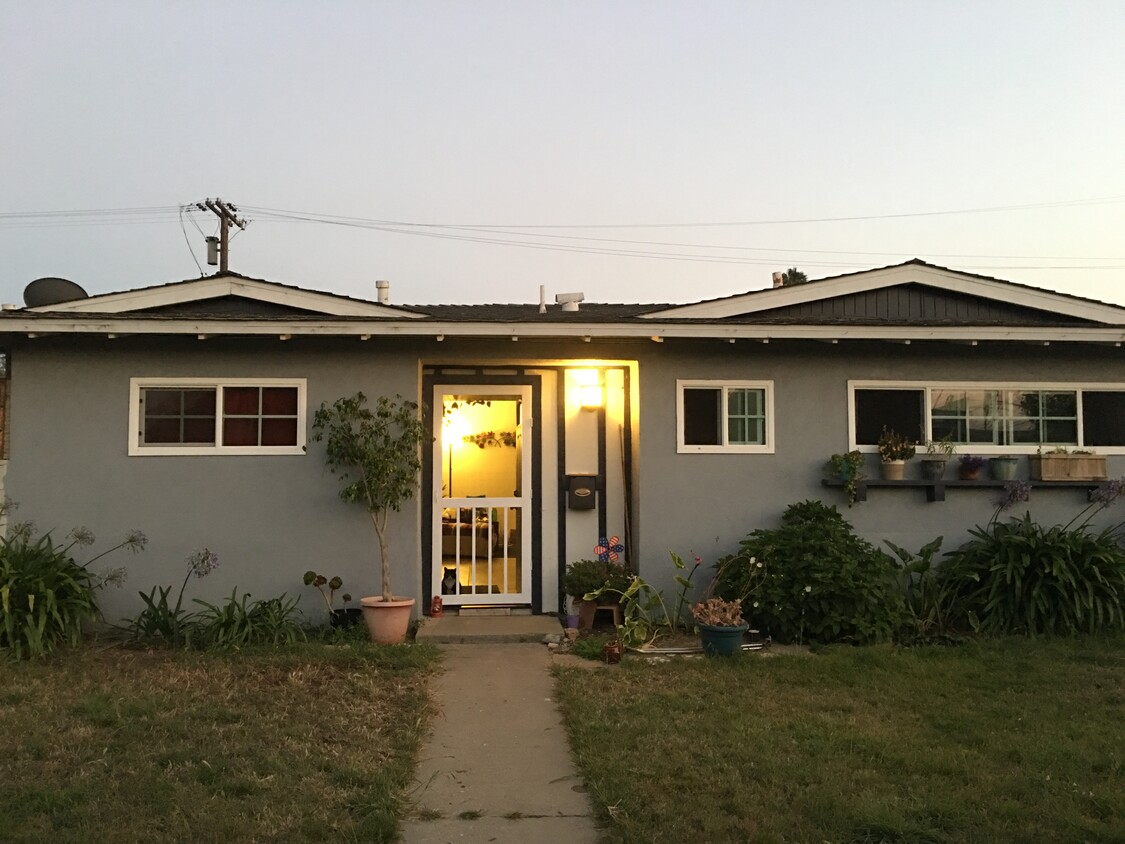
[
  {"x": 308, "y": 743},
  {"x": 994, "y": 741}
]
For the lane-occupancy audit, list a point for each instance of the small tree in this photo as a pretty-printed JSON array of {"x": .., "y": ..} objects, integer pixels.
[
  {"x": 376, "y": 451},
  {"x": 794, "y": 276}
]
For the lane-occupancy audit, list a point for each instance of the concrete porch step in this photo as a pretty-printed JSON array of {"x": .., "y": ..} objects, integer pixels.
[{"x": 484, "y": 629}]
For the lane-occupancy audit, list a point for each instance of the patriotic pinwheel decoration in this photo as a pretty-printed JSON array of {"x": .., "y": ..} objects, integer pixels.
[{"x": 609, "y": 550}]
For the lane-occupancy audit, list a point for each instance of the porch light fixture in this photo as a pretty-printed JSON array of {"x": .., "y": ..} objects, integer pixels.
[
  {"x": 591, "y": 391},
  {"x": 593, "y": 397}
]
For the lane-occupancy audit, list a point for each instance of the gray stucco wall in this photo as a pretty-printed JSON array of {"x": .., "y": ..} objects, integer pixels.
[
  {"x": 708, "y": 502},
  {"x": 270, "y": 518}
]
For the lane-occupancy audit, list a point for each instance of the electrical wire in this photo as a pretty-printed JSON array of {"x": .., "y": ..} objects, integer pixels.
[{"x": 187, "y": 240}]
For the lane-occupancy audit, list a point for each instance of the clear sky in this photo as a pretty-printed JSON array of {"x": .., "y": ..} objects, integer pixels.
[{"x": 614, "y": 115}]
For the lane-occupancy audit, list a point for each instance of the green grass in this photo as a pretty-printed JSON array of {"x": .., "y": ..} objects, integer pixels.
[
  {"x": 995, "y": 741},
  {"x": 306, "y": 743}
]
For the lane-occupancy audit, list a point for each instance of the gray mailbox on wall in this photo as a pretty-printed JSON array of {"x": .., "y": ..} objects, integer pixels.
[{"x": 582, "y": 492}]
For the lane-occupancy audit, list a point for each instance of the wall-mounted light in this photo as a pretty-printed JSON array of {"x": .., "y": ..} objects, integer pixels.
[
  {"x": 589, "y": 388},
  {"x": 592, "y": 396}
]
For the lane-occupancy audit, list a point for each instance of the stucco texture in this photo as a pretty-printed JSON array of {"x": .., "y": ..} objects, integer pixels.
[{"x": 269, "y": 518}]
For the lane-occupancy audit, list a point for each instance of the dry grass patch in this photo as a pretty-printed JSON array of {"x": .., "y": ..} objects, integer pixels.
[
  {"x": 300, "y": 744},
  {"x": 1010, "y": 740}
]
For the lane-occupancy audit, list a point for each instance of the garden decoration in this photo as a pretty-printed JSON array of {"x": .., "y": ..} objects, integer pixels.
[{"x": 609, "y": 550}]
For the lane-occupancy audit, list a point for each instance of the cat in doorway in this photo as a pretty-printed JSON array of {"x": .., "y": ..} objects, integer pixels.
[{"x": 449, "y": 581}]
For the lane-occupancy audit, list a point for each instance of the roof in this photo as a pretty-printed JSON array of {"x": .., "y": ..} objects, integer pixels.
[{"x": 912, "y": 300}]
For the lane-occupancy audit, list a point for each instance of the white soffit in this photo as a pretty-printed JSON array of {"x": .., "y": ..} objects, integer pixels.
[
  {"x": 214, "y": 288},
  {"x": 937, "y": 277}
]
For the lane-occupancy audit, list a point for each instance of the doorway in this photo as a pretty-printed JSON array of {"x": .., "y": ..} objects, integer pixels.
[{"x": 481, "y": 550}]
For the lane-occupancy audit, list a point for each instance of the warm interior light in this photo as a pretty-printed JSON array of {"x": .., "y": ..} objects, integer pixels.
[
  {"x": 454, "y": 429},
  {"x": 592, "y": 396}
]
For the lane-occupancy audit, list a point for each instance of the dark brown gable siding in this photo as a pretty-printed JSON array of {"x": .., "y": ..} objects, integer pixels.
[
  {"x": 227, "y": 306},
  {"x": 910, "y": 303}
]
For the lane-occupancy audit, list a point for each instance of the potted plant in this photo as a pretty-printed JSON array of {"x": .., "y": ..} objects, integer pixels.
[
  {"x": 346, "y": 617},
  {"x": 377, "y": 454},
  {"x": 847, "y": 467},
  {"x": 585, "y": 576},
  {"x": 937, "y": 456},
  {"x": 1060, "y": 464},
  {"x": 970, "y": 466},
  {"x": 894, "y": 451},
  {"x": 721, "y": 626},
  {"x": 1003, "y": 468}
]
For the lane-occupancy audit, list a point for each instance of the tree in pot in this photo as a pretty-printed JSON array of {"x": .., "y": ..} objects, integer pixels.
[{"x": 376, "y": 451}]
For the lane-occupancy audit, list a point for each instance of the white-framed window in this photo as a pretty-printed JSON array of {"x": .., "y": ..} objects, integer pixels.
[
  {"x": 724, "y": 417},
  {"x": 1000, "y": 418},
  {"x": 216, "y": 416}
]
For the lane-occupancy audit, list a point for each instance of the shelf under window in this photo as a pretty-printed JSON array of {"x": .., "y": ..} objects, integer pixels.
[{"x": 935, "y": 490}]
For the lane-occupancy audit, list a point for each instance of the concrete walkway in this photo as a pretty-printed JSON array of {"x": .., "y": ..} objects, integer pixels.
[{"x": 497, "y": 767}]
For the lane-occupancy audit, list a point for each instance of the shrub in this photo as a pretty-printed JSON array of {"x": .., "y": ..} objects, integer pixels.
[
  {"x": 1019, "y": 577},
  {"x": 160, "y": 622},
  {"x": 821, "y": 582},
  {"x": 583, "y": 576},
  {"x": 929, "y": 616},
  {"x": 235, "y": 623},
  {"x": 45, "y": 595}
]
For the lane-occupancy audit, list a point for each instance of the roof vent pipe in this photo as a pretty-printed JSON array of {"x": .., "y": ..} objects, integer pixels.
[
  {"x": 383, "y": 291},
  {"x": 569, "y": 301},
  {"x": 779, "y": 279},
  {"x": 542, "y": 298}
]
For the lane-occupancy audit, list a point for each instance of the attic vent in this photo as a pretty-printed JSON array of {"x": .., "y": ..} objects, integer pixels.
[{"x": 569, "y": 301}]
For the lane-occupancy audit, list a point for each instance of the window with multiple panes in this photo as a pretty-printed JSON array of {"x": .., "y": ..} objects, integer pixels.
[
  {"x": 1019, "y": 418},
  {"x": 733, "y": 416},
  {"x": 229, "y": 416}
]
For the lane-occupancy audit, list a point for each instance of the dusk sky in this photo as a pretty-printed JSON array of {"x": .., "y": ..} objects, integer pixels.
[{"x": 633, "y": 151}]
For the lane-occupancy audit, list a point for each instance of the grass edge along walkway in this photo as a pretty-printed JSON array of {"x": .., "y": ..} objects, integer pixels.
[
  {"x": 304, "y": 743},
  {"x": 1002, "y": 740}
]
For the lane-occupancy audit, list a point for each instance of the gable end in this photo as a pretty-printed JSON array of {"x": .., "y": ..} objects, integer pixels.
[{"x": 912, "y": 304}]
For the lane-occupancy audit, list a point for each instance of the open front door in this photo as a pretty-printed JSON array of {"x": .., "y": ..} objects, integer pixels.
[{"x": 482, "y": 494}]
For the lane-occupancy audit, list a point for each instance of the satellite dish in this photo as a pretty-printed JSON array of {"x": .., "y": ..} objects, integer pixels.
[{"x": 51, "y": 291}]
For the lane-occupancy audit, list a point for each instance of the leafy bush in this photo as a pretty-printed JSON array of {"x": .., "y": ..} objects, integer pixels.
[
  {"x": 235, "y": 623},
  {"x": 929, "y": 615},
  {"x": 590, "y": 646},
  {"x": 1019, "y": 577},
  {"x": 161, "y": 623},
  {"x": 44, "y": 594},
  {"x": 821, "y": 583},
  {"x": 583, "y": 576}
]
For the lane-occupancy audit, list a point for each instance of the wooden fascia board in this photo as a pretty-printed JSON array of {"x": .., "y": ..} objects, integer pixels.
[
  {"x": 212, "y": 288},
  {"x": 781, "y": 297},
  {"x": 628, "y": 331}
]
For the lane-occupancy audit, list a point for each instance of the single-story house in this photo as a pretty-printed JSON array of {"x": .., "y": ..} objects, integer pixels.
[{"x": 184, "y": 410}]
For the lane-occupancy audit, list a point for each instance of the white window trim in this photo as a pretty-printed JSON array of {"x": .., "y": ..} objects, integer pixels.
[
  {"x": 724, "y": 385},
  {"x": 982, "y": 448},
  {"x": 137, "y": 449}
]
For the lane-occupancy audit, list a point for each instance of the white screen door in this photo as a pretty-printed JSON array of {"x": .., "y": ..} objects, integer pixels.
[{"x": 482, "y": 494}]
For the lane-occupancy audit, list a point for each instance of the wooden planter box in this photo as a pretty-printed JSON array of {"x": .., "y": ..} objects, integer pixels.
[{"x": 1068, "y": 467}]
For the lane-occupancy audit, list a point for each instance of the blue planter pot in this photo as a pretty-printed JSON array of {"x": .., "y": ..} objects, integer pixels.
[{"x": 721, "y": 641}]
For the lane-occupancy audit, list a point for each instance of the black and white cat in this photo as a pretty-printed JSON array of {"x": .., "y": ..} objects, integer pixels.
[{"x": 449, "y": 581}]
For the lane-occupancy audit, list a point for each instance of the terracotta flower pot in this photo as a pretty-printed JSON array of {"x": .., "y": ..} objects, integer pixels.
[{"x": 387, "y": 621}]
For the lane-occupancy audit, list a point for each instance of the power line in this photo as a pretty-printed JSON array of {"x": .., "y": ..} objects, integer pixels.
[{"x": 980, "y": 210}]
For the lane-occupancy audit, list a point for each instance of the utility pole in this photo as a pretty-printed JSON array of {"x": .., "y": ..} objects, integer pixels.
[{"x": 227, "y": 216}]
